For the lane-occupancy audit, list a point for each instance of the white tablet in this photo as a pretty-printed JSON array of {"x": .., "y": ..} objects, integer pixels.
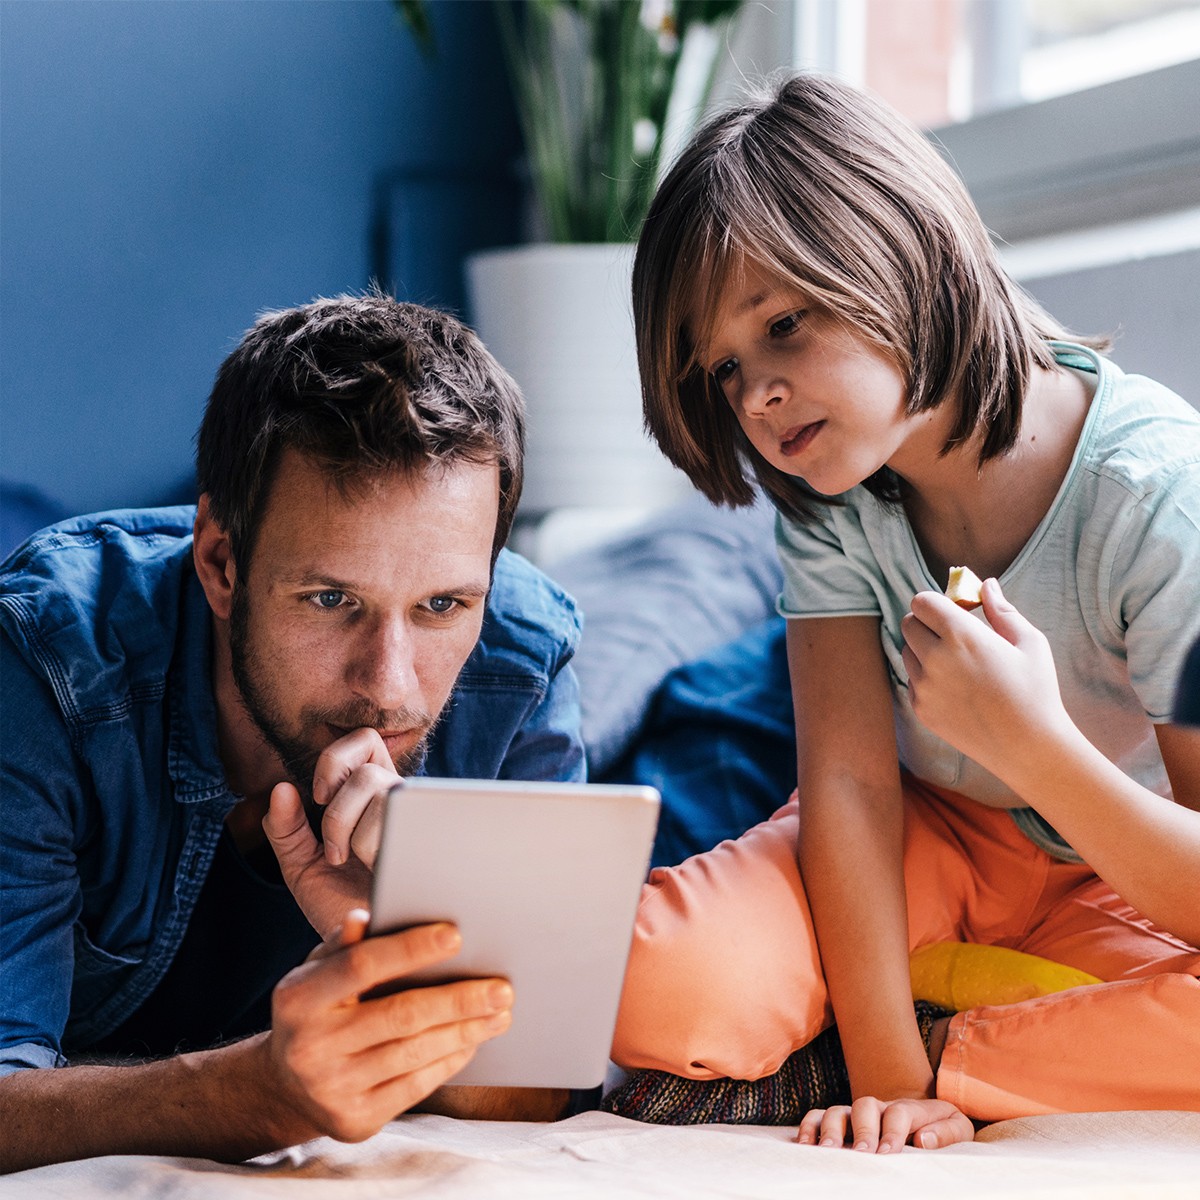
[{"x": 543, "y": 881}]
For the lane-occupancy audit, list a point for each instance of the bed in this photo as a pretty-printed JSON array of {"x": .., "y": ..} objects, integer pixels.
[
  {"x": 1104, "y": 1156},
  {"x": 681, "y": 649}
]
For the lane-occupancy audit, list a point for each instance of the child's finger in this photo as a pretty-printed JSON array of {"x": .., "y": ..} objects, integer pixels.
[
  {"x": 1002, "y": 616},
  {"x": 946, "y": 1132}
]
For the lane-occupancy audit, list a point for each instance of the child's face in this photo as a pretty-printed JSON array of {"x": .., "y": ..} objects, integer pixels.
[{"x": 816, "y": 398}]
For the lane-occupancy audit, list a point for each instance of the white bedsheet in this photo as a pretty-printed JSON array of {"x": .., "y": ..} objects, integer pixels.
[{"x": 599, "y": 1157}]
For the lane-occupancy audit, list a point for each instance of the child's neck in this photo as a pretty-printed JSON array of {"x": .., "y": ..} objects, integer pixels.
[{"x": 983, "y": 517}]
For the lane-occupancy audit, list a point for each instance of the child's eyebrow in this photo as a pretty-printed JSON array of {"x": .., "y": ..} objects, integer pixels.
[
  {"x": 751, "y": 302},
  {"x": 745, "y": 306}
]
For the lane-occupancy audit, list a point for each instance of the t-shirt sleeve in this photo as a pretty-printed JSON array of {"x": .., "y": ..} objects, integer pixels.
[
  {"x": 1156, "y": 590},
  {"x": 39, "y": 884},
  {"x": 825, "y": 568}
]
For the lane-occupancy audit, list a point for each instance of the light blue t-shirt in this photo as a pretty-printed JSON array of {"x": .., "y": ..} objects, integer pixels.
[{"x": 1111, "y": 576}]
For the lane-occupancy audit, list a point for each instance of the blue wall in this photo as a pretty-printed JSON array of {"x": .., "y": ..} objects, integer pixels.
[{"x": 169, "y": 169}]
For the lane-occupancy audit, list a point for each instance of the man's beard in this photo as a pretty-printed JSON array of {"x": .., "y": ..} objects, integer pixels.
[{"x": 300, "y": 748}]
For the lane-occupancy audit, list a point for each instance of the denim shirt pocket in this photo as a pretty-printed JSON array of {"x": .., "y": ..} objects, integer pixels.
[{"x": 99, "y": 975}]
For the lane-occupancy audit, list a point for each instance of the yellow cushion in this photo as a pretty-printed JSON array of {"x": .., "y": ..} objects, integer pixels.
[{"x": 960, "y": 975}]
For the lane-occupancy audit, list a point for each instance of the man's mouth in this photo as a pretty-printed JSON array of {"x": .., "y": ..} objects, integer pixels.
[
  {"x": 797, "y": 439},
  {"x": 397, "y": 741}
]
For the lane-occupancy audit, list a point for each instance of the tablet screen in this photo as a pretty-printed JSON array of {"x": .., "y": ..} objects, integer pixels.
[{"x": 543, "y": 882}]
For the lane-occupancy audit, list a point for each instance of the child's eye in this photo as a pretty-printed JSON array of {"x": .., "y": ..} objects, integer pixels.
[
  {"x": 723, "y": 371},
  {"x": 786, "y": 325},
  {"x": 329, "y": 599}
]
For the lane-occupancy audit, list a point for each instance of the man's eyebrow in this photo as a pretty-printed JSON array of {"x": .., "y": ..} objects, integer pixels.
[
  {"x": 312, "y": 579},
  {"x": 473, "y": 591}
]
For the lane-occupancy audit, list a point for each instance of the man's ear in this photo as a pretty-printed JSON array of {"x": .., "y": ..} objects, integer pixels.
[{"x": 213, "y": 556}]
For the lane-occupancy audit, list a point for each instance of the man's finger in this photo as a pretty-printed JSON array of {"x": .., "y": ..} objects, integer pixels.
[
  {"x": 353, "y": 929},
  {"x": 360, "y": 796},
  {"x": 288, "y": 831},
  {"x": 341, "y": 977},
  {"x": 401, "y": 1094},
  {"x": 368, "y": 833},
  {"x": 406, "y": 1014},
  {"x": 380, "y": 1062},
  {"x": 339, "y": 759}
]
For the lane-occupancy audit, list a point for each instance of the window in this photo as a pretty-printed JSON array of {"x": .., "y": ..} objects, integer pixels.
[{"x": 941, "y": 61}]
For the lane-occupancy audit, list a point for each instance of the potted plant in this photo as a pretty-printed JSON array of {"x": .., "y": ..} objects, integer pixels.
[{"x": 606, "y": 91}]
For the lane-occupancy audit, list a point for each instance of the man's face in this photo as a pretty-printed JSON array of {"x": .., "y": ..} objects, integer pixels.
[{"x": 360, "y": 608}]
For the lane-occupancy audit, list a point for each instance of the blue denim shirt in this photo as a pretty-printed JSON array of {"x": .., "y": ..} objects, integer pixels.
[{"x": 113, "y": 791}]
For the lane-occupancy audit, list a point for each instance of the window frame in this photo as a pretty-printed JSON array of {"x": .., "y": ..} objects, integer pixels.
[{"x": 1117, "y": 152}]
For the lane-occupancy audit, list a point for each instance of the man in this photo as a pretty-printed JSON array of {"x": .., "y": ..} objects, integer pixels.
[{"x": 189, "y": 693}]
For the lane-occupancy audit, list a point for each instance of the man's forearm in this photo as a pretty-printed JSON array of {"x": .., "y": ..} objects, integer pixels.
[{"x": 209, "y": 1104}]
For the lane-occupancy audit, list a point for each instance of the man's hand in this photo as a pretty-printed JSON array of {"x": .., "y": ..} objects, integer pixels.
[
  {"x": 343, "y": 1066},
  {"x": 884, "y": 1127},
  {"x": 351, "y": 783},
  {"x": 982, "y": 690},
  {"x": 325, "y": 893}
]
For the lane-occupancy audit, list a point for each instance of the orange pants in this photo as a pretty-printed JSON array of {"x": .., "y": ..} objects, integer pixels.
[{"x": 725, "y": 977}]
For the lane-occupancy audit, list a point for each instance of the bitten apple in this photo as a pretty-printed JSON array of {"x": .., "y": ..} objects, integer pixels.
[{"x": 965, "y": 587}]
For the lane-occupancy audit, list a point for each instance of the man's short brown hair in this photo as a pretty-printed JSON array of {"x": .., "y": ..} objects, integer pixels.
[{"x": 361, "y": 386}]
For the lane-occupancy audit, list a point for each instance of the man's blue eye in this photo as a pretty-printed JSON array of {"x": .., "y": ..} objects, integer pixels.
[
  {"x": 330, "y": 599},
  {"x": 442, "y": 605}
]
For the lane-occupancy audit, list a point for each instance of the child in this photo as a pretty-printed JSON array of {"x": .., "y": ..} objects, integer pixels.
[{"x": 819, "y": 307}]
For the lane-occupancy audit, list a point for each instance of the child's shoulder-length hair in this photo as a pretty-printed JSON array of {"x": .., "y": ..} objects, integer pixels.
[{"x": 823, "y": 187}]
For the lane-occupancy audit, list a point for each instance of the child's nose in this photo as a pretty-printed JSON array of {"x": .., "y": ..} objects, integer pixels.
[{"x": 764, "y": 394}]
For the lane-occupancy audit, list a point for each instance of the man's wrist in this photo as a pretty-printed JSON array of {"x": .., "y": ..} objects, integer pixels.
[{"x": 497, "y": 1103}]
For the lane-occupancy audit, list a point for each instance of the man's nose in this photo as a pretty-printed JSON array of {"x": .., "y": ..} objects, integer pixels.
[{"x": 385, "y": 666}]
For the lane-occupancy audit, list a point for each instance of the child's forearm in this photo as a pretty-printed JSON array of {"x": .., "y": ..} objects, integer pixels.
[
  {"x": 850, "y": 859},
  {"x": 1144, "y": 846}
]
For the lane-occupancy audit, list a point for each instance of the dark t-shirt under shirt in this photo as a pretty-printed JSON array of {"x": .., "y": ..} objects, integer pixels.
[{"x": 246, "y": 933}]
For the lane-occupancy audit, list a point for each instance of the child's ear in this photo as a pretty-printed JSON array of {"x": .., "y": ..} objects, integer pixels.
[{"x": 213, "y": 556}]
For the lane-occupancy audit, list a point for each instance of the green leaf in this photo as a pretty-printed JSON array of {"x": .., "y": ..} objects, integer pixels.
[{"x": 415, "y": 14}]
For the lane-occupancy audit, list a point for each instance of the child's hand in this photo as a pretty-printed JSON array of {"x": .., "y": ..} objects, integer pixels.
[
  {"x": 985, "y": 691},
  {"x": 884, "y": 1127}
]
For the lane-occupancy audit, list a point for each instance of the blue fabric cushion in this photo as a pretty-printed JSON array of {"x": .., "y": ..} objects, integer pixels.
[
  {"x": 719, "y": 743},
  {"x": 24, "y": 510},
  {"x": 1187, "y": 699},
  {"x": 672, "y": 589}
]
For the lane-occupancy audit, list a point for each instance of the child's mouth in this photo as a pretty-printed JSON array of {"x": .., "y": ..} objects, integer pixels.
[{"x": 800, "y": 438}]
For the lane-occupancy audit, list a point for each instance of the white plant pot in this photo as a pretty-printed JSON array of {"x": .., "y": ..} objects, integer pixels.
[{"x": 559, "y": 319}]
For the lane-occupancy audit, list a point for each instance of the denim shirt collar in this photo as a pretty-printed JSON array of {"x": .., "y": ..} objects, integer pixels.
[{"x": 193, "y": 749}]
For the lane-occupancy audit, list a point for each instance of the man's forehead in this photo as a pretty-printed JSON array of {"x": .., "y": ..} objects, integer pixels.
[{"x": 315, "y": 518}]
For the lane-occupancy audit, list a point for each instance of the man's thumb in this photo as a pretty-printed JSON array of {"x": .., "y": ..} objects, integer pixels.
[{"x": 287, "y": 829}]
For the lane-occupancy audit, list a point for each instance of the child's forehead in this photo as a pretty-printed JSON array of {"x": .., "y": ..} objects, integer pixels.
[{"x": 732, "y": 288}]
